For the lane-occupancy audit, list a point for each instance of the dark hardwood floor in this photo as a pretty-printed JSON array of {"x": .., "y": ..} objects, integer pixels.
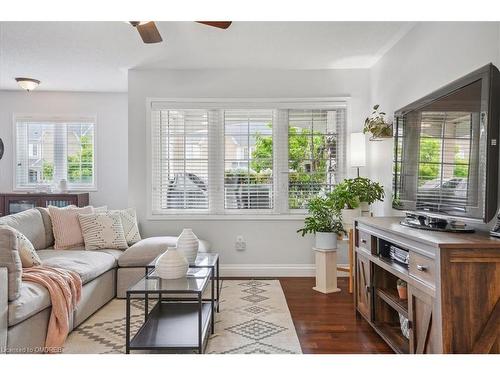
[{"x": 327, "y": 323}]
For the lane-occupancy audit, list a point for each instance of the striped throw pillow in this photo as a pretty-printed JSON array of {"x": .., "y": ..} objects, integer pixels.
[
  {"x": 102, "y": 231},
  {"x": 66, "y": 227}
]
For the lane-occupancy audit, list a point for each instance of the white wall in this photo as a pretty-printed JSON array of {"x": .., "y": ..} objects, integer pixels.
[
  {"x": 268, "y": 242},
  {"x": 111, "y": 112},
  {"x": 430, "y": 56}
]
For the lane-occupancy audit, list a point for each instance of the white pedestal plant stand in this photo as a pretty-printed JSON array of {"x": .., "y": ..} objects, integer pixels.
[{"x": 326, "y": 270}]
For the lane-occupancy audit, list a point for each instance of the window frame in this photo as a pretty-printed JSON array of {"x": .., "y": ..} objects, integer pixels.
[
  {"x": 280, "y": 209},
  {"x": 72, "y": 188}
]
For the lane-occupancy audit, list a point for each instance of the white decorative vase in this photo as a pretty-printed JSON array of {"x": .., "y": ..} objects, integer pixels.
[
  {"x": 188, "y": 245},
  {"x": 63, "y": 186},
  {"x": 171, "y": 264},
  {"x": 348, "y": 216},
  {"x": 326, "y": 240}
]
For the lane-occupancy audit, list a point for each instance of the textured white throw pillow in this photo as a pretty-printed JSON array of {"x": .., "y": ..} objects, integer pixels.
[
  {"x": 102, "y": 231},
  {"x": 129, "y": 223},
  {"x": 65, "y": 225},
  {"x": 26, "y": 250}
]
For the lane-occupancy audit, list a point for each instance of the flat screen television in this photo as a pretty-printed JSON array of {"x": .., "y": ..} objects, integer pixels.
[{"x": 446, "y": 150}]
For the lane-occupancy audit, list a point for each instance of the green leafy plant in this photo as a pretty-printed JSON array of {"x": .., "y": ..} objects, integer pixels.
[
  {"x": 352, "y": 191},
  {"x": 344, "y": 195},
  {"x": 323, "y": 217},
  {"x": 367, "y": 190},
  {"x": 377, "y": 124}
]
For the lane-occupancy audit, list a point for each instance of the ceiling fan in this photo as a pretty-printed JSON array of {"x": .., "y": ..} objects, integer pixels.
[{"x": 150, "y": 34}]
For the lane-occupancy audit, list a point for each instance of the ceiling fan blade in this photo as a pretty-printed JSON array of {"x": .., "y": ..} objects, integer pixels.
[
  {"x": 149, "y": 33},
  {"x": 219, "y": 24}
]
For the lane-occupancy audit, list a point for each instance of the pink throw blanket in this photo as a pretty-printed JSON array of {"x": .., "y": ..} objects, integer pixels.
[{"x": 65, "y": 289}]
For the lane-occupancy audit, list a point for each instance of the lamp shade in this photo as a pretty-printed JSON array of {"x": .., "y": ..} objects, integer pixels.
[{"x": 358, "y": 150}]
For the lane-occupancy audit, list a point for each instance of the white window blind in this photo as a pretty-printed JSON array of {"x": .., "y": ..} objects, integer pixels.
[
  {"x": 49, "y": 151},
  {"x": 315, "y": 153},
  {"x": 232, "y": 158},
  {"x": 248, "y": 158},
  {"x": 180, "y": 160}
]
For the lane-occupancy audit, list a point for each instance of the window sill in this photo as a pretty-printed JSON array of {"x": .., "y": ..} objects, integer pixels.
[
  {"x": 228, "y": 217},
  {"x": 40, "y": 191}
]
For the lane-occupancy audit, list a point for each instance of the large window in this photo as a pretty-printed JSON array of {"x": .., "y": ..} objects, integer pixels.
[
  {"x": 49, "y": 151},
  {"x": 223, "y": 158}
]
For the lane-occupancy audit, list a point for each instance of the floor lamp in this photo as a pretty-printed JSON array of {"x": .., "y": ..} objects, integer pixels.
[{"x": 358, "y": 151}]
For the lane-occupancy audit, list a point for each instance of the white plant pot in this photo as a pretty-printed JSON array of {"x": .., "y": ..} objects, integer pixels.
[
  {"x": 188, "y": 244},
  {"x": 365, "y": 209},
  {"x": 348, "y": 216},
  {"x": 171, "y": 264},
  {"x": 326, "y": 240}
]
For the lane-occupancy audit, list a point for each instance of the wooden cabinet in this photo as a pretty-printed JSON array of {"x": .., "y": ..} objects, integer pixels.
[
  {"x": 363, "y": 289},
  {"x": 423, "y": 326},
  {"x": 453, "y": 284},
  {"x": 12, "y": 203}
]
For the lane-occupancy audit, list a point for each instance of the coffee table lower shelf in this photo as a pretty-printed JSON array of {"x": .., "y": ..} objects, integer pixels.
[{"x": 174, "y": 326}]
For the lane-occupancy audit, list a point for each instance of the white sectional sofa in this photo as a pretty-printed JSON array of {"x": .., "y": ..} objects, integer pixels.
[{"x": 25, "y": 307}]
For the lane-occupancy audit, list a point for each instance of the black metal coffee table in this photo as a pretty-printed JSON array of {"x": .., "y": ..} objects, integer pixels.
[{"x": 180, "y": 320}]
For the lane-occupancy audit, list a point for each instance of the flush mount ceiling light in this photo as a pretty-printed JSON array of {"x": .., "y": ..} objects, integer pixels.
[{"x": 28, "y": 84}]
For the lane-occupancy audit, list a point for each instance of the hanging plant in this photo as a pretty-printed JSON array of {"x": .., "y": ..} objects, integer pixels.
[{"x": 378, "y": 125}]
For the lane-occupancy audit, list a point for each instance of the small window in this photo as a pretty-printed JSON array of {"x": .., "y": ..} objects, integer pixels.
[{"x": 50, "y": 151}]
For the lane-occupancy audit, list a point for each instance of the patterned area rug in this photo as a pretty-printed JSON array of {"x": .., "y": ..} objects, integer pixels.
[{"x": 253, "y": 319}]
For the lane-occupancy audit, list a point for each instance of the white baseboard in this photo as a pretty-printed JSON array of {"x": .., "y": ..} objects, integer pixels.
[{"x": 271, "y": 270}]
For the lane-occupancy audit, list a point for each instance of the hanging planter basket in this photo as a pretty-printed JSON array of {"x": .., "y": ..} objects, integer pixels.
[{"x": 377, "y": 124}]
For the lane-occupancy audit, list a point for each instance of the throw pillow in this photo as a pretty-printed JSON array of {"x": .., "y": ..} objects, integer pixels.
[
  {"x": 102, "y": 231},
  {"x": 27, "y": 252},
  {"x": 129, "y": 223},
  {"x": 10, "y": 261},
  {"x": 66, "y": 227}
]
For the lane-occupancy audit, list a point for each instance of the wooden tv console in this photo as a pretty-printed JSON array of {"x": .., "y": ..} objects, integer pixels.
[{"x": 453, "y": 287}]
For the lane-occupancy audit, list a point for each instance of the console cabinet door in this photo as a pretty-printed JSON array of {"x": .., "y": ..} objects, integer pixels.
[
  {"x": 363, "y": 286},
  {"x": 423, "y": 322}
]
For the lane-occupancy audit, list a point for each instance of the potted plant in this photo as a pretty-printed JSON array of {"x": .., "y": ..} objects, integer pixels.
[
  {"x": 368, "y": 192},
  {"x": 378, "y": 125},
  {"x": 323, "y": 222},
  {"x": 346, "y": 201},
  {"x": 402, "y": 289}
]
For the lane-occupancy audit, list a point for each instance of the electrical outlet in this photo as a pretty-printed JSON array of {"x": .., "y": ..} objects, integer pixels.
[{"x": 240, "y": 244}]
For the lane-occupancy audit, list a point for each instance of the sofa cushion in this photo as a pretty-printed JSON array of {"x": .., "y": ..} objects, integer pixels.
[
  {"x": 88, "y": 264},
  {"x": 29, "y": 223},
  {"x": 113, "y": 252},
  {"x": 27, "y": 252},
  {"x": 66, "y": 227},
  {"x": 143, "y": 252},
  {"x": 33, "y": 299},
  {"x": 129, "y": 224},
  {"x": 47, "y": 223},
  {"x": 9, "y": 258},
  {"x": 102, "y": 231}
]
